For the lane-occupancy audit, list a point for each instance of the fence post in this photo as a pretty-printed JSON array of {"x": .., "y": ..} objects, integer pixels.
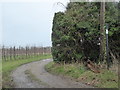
[
  {"x": 43, "y": 50},
  {"x": 19, "y": 53},
  {"x": 14, "y": 53},
  {"x": 26, "y": 51},
  {"x": 34, "y": 51},
  {"x": 10, "y": 53},
  {"x": 3, "y": 53}
]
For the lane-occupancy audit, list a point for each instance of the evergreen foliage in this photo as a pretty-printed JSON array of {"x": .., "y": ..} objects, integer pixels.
[{"x": 76, "y": 32}]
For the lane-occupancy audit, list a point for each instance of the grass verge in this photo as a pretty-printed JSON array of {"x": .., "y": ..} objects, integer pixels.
[
  {"x": 105, "y": 79},
  {"x": 8, "y": 66}
]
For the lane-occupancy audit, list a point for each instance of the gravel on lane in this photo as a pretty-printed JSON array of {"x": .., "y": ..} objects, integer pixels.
[{"x": 47, "y": 80}]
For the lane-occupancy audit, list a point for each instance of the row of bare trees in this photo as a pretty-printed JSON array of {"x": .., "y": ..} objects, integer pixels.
[{"x": 15, "y": 53}]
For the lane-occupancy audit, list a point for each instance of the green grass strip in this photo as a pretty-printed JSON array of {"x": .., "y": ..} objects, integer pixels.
[{"x": 104, "y": 79}]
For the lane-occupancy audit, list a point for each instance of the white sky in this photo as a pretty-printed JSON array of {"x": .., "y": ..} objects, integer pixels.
[
  {"x": 27, "y": 22},
  {"x": 50, "y": 0},
  {"x": 34, "y": 1}
]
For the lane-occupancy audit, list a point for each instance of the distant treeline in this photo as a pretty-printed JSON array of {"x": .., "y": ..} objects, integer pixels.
[{"x": 14, "y": 53}]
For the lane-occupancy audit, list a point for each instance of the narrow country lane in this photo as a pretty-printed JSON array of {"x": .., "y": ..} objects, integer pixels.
[{"x": 42, "y": 77}]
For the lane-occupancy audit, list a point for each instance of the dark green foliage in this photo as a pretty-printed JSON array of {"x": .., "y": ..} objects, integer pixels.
[{"x": 76, "y": 32}]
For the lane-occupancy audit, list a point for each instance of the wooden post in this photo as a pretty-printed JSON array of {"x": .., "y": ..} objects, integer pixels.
[
  {"x": 10, "y": 53},
  {"x": 3, "y": 53},
  {"x": 43, "y": 50},
  {"x": 26, "y": 51},
  {"x": 34, "y": 51},
  {"x": 19, "y": 52},
  {"x": 102, "y": 33},
  {"x": 14, "y": 53}
]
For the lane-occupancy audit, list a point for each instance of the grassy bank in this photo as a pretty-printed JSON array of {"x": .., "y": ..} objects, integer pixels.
[
  {"x": 105, "y": 79},
  {"x": 8, "y": 66}
]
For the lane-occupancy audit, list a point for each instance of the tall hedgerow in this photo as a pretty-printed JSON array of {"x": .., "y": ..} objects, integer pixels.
[{"x": 76, "y": 32}]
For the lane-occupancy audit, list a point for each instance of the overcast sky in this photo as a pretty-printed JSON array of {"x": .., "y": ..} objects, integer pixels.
[{"x": 28, "y": 23}]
